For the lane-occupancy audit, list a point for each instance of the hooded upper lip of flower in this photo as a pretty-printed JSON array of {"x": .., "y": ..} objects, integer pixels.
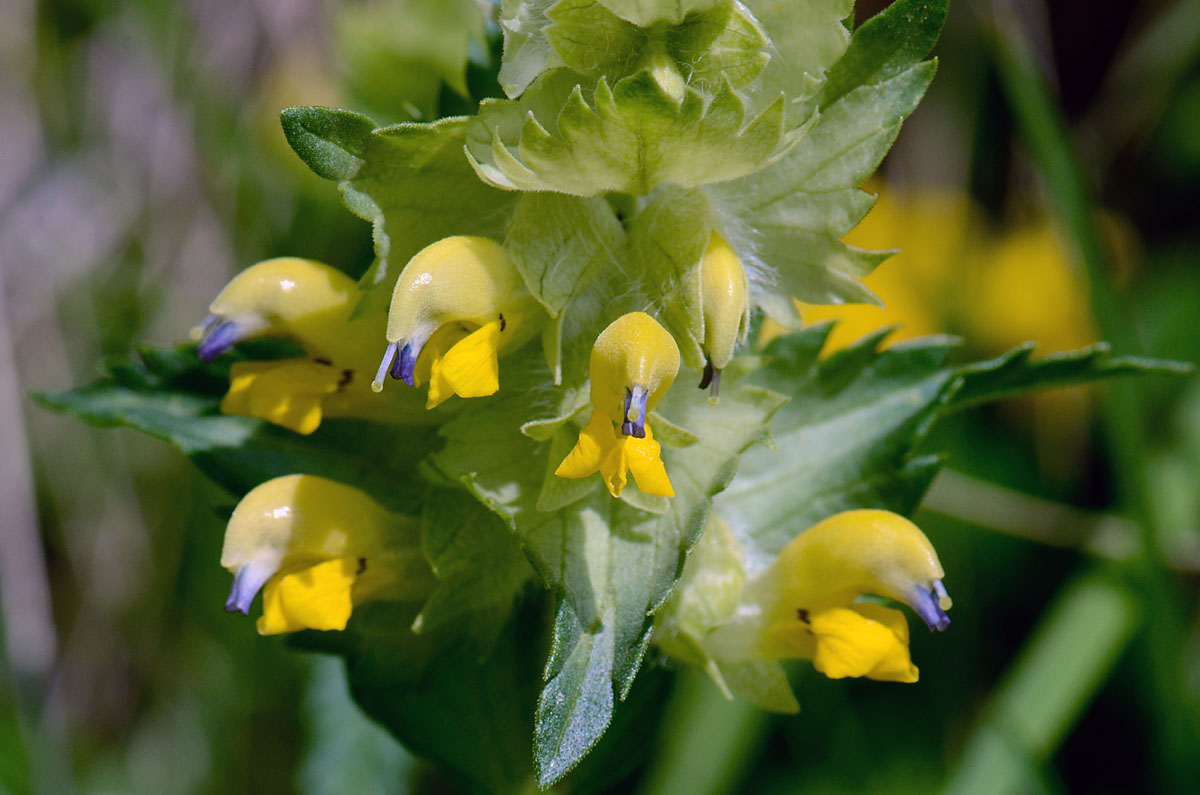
[
  {"x": 862, "y": 552},
  {"x": 469, "y": 282},
  {"x": 633, "y": 363},
  {"x": 287, "y": 297},
  {"x": 806, "y": 603},
  {"x": 294, "y": 526}
]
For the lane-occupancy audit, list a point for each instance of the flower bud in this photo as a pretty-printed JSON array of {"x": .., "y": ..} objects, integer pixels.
[
  {"x": 316, "y": 548},
  {"x": 633, "y": 363},
  {"x": 723, "y": 301},
  {"x": 463, "y": 300}
]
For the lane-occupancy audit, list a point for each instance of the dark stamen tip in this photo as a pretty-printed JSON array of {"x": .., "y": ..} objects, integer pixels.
[
  {"x": 634, "y": 429},
  {"x": 707, "y": 378},
  {"x": 405, "y": 364},
  {"x": 635, "y": 404}
]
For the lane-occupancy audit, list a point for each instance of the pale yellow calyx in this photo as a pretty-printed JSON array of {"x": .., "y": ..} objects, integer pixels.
[
  {"x": 724, "y": 304},
  {"x": 665, "y": 73},
  {"x": 310, "y": 541}
]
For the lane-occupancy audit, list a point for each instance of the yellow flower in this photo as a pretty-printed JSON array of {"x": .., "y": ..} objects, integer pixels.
[
  {"x": 724, "y": 306},
  {"x": 291, "y": 298},
  {"x": 632, "y": 365},
  {"x": 806, "y": 605},
  {"x": 311, "y": 303},
  {"x": 316, "y": 548},
  {"x": 1027, "y": 289},
  {"x": 457, "y": 304}
]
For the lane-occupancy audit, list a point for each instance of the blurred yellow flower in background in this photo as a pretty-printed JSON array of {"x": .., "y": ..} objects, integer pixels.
[{"x": 956, "y": 273}]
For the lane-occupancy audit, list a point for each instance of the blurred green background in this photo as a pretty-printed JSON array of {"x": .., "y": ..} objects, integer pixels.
[{"x": 1046, "y": 189}]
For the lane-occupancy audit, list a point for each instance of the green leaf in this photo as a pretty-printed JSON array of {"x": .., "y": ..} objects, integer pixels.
[
  {"x": 333, "y": 143},
  {"x": 707, "y": 47},
  {"x": 527, "y": 51},
  {"x": 647, "y": 12},
  {"x": 466, "y": 710},
  {"x": 667, "y": 240},
  {"x": 806, "y": 39},
  {"x": 849, "y": 436},
  {"x": 479, "y": 565},
  {"x": 786, "y": 222},
  {"x": 624, "y": 139},
  {"x": 169, "y": 394},
  {"x": 724, "y": 43},
  {"x": 591, "y": 40},
  {"x": 1016, "y": 372},
  {"x": 576, "y": 705},
  {"x": 411, "y": 181},
  {"x": 886, "y": 45},
  {"x": 561, "y": 243},
  {"x": 613, "y": 563}
]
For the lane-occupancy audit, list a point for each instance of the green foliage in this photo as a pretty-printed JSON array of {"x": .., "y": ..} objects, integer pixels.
[
  {"x": 850, "y": 436},
  {"x": 167, "y": 393},
  {"x": 845, "y": 436},
  {"x": 627, "y": 138},
  {"x": 705, "y": 46},
  {"x": 410, "y": 181},
  {"x": 645, "y": 12},
  {"x": 398, "y": 55},
  {"x": 634, "y": 131}
]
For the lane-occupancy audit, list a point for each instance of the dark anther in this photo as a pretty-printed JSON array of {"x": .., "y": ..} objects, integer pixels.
[
  {"x": 802, "y": 614},
  {"x": 503, "y": 323},
  {"x": 347, "y": 377},
  {"x": 362, "y": 565},
  {"x": 324, "y": 361},
  {"x": 405, "y": 363},
  {"x": 708, "y": 375}
]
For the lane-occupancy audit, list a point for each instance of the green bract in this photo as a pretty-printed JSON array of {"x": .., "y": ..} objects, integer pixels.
[{"x": 634, "y": 133}]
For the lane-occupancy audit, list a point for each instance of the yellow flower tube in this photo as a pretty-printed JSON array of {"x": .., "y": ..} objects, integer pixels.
[
  {"x": 312, "y": 304},
  {"x": 633, "y": 363},
  {"x": 291, "y": 298},
  {"x": 460, "y": 302},
  {"x": 316, "y": 548},
  {"x": 807, "y": 604}
]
